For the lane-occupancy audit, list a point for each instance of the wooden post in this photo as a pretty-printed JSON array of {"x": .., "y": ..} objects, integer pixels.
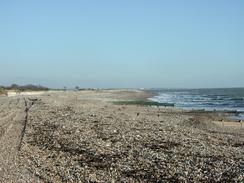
[{"x": 242, "y": 165}]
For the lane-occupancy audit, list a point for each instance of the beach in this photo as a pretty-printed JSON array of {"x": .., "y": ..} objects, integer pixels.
[{"x": 85, "y": 136}]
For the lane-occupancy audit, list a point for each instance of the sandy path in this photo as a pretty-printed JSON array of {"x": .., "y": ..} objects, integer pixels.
[{"x": 11, "y": 123}]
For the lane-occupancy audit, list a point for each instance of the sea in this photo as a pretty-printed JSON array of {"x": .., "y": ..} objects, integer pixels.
[{"x": 221, "y": 99}]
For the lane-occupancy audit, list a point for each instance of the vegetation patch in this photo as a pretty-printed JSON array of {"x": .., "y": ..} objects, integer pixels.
[
  {"x": 3, "y": 92},
  {"x": 143, "y": 103},
  {"x": 29, "y": 87}
]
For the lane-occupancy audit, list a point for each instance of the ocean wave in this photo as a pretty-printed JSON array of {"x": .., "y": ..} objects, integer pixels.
[
  {"x": 237, "y": 99},
  {"x": 209, "y": 99}
]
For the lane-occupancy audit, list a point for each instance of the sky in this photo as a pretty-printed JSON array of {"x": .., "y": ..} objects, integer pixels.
[{"x": 122, "y": 43}]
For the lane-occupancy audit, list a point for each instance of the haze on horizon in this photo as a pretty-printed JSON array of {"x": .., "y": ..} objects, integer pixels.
[{"x": 125, "y": 44}]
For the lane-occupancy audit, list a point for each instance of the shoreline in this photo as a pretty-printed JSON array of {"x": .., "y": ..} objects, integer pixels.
[
  {"x": 228, "y": 115},
  {"x": 140, "y": 95}
]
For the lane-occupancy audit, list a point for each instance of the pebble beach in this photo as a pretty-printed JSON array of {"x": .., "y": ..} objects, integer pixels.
[{"x": 83, "y": 136}]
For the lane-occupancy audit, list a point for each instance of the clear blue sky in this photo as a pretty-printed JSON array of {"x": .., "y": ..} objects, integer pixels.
[{"x": 122, "y": 43}]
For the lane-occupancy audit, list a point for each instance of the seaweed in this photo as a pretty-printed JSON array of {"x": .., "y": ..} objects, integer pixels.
[{"x": 143, "y": 103}]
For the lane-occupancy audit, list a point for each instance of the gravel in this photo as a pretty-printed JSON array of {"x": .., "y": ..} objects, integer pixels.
[{"x": 70, "y": 139}]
